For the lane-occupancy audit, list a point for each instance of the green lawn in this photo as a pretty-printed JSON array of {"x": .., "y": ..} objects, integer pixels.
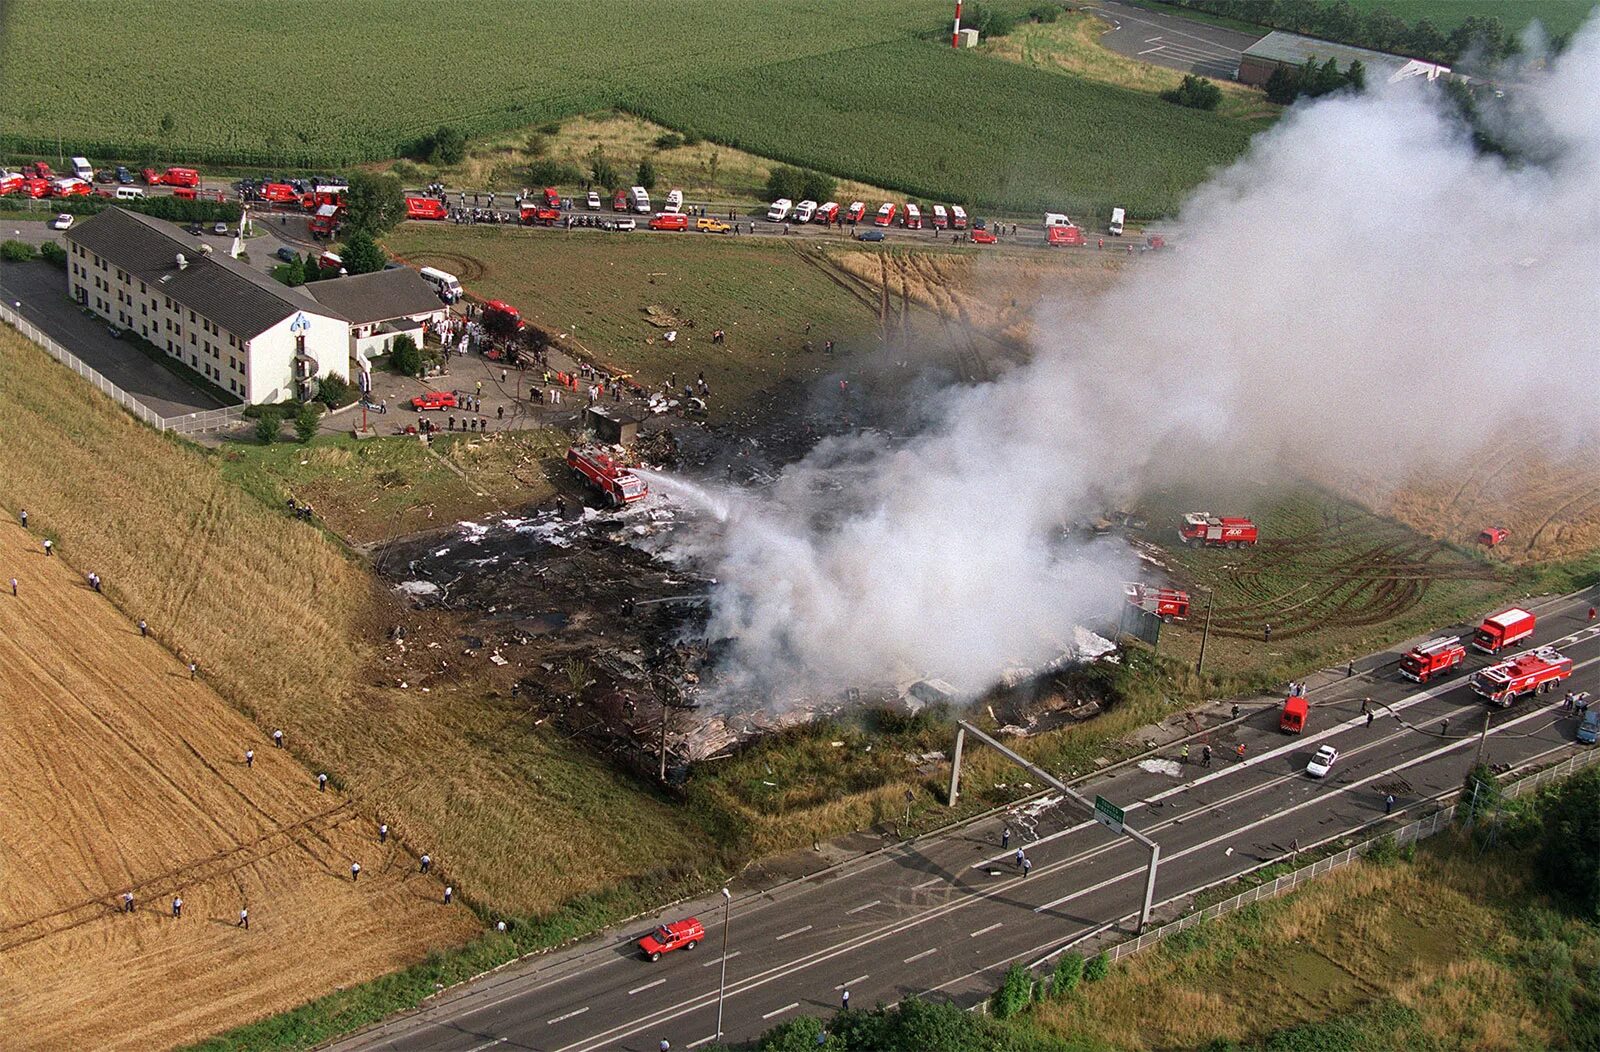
[
  {"x": 957, "y": 126},
  {"x": 1557, "y": 16}
]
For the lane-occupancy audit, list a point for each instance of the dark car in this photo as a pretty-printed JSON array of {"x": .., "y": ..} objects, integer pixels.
[
  {"x": 871, "y": 235},
  {"x": 105, "y": 175},
  {"x": 286, "y": 254},
  {"x": 195, "y": 228},
  {"x": 123, "y": 175}
]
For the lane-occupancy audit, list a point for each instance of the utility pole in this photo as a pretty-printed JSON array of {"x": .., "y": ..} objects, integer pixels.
[
  {"x": 663, "y": 741},
  {"x": 722, "y": 987},
  {"x": 1200, "y": 665},
  {"x": 1483, "y": 739}
]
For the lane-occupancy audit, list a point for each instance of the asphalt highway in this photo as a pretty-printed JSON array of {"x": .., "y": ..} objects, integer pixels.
[
  {"x": 945, "y": 915},
  {"x": 1173, "y": 41}
]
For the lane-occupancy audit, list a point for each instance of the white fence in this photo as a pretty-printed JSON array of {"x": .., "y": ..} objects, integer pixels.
[
  {"x": 1418, "y": 830},
  {"x": 187, "y": 424}
]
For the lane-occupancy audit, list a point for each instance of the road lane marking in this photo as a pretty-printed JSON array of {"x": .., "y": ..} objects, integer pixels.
[
  {"x": 718, "y": 960},
  {"x": 792, "y": 934},
  {"x": 927, "y": 883},
  {"x": 920, "y": 956},
  {"x": 703, "y": 1041},
  {"x": 780, "y": 1011},
  {"x": 985, "y": 931},
  {"x": 564, "y": 1018},
  {"x": 852, "y": 982},
  {"x": 647, "y": 986},
  {"x": 1150, "y": 50},
  {"x": 489, "y": 1044},
  {"x": 864, "y": 906}
]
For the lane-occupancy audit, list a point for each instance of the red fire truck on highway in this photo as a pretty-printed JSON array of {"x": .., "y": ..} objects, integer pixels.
[
  {"x": 1433, "y": 658},
  {"x": 1169, "y": 604},
  {"x": 1063, "y": 235},
  {"x": 1204, "y": 528},
  {"x": 1499, "y": 631},
  {"x": 426, "y": 208},
  {"x": 185, "y": 177},
  {"x": 614, "y": 481},
  {"x": 1525, "y": 674}
]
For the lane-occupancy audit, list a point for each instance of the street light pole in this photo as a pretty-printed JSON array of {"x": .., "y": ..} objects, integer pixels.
[
  {"x": 1200, "y": 665},
  {"x": 722, "y": 987}
]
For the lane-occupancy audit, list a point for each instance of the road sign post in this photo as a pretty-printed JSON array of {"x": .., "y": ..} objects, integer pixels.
[{"x": 1108, "y": 814}]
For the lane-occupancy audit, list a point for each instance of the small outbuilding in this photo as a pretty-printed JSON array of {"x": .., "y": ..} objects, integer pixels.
[{"x": 612, "y": 426}]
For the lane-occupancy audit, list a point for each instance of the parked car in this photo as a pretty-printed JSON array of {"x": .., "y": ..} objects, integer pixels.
[
  {"x": 286, "y": 254},
  {"x": 871, "y": 235},
  {"x": 124, "y": 176},
  {"x": 195, "y": 228},
  {"x": 1322, "y": 762},
  {"x": 115, "y": 332},
  {"x": 622, "y": 224},
  {"x": 593, "y": 200},
  {"x": 105, "y": 175},
  {"x": 679, "y": 935},
  {"x": 61, "y": 222},
  {"x": 434, "y": 400},
  {"x": 219, "y": 228},
  {"x": 711, "y": 225},
  {"x": 983, "y": 237}
]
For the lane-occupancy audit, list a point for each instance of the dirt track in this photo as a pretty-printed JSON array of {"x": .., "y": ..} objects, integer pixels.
[{"x": 121, "y": 773}]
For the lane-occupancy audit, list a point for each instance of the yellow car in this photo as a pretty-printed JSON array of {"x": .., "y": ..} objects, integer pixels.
[{"x": 711, "y": 226}]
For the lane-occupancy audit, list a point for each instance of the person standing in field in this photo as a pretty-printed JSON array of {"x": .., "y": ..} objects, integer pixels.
[
  {"x": 383, "y": 832},
  {"x": 322, "y": 783},
  {"x": 449, "y": 893},
  {"x": 13, "y": 586},
  {"x": 127, "y": 902},
  {"x": 23, "y": 515},
  {"x": 355, "y": 871},
  {"x": 244, "y": 919},
  {"x": 144, "y": 629},
  {"x": 250, "y": 758},
  {"x": 177, "y": 907},
  {"x": 49, "y": 548},
  {"x": 427, "y": 861},
  {"x": 277, "y": 736}
]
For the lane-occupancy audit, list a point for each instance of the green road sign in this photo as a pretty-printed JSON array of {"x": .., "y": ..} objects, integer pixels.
[{"x": 1108, "y": 814}]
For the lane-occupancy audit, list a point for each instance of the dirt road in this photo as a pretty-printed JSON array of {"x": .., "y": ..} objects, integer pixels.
[{"x": 121, "y": 773}]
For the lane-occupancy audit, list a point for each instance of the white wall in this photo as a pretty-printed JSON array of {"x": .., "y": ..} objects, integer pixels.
[{"x": 270, "y": 376}]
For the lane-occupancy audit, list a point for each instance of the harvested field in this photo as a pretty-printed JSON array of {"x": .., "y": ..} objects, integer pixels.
[{"x": 122, "y": 773}]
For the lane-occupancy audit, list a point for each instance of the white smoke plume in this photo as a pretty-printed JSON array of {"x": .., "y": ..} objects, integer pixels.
[{"x": 1363, "y": 293}]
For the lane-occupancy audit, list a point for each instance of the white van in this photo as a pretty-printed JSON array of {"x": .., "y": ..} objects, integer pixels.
[
  {"x": 675, "y": 201},
  {"x": 804, "y": 211},
  {"x": 641, "y": 200},
  {"x": 1055, "y": 219},
  {"x": 83, "y": 169},
  {"x": 129, "y": 193},
  {"x": 779, "y": 210},
  {"x": 446, "y": 284},
  {"x": 1117, "y": 215}
]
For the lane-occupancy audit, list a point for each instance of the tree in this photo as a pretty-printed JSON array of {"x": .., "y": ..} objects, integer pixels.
[
  {"x": 267, "y": 426},
  {"x": 816, "y": 186},
  {"x": 305, "y": 422},
  {"x": 16, "y": 251},
  {"x": 1356, "y": 76},
  {"x": 51, "y": 252},
  {"x": 602, "y": 171},
  {"x": 785, "y": 181},
  {"x": 1569, "y": 854},
  {"x": 1425, "y": 40},
  {"x": 311, "y": 270},
  {"x": 294, "y": 272},
  {"x": 362, "y": 255},
  {"x": 551, "y": 172},
  {"x": 405, "y": 356},
  {"x": 499, "y": 324},
  {"x": 373, "y": 203},
  {"x": 1194, "y": 92},
  {"x": 647, "y": 174},
  {"x": 334, "y": 391},
  {"x": 1069, "y": 972},
  {"x": 1283, "y": 85},
  {"x": 447, "y": 145},
  {"x": 1098, "y": 968},
  {"x": 1015, "y": 992}
]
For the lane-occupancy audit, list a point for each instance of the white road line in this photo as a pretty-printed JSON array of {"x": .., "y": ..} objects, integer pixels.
[
  {"x": 920, "y": 956},
  {"x": 864, "y": 906},
  {"x": 1149, "y": 50},
  {"x": 852, "y": 982},
  {"x": 1152, "y": 40},
  {"x": 780, "y": 1011},
  {"x": 718, "y": 960},
  {"x": 985, "y": 931},
  {"x": 563, "y": 1018},
  {"x": 792, "y": 934},
  {"x": 1319, "y": 799},
  {"x": 488, "y": 1044},
  {"x": 647, "y": 986},
  {"x": 703, "y": 1041},
  {"x": 928, "y": 883}
]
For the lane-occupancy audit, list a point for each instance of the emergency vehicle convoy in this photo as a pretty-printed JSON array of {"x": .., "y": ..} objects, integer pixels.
[
  {"x": 1169, "y": 604},
  {"x": 1501, "y": 630},
  {"x": 1525, "y": 674},
  {"x": 1433, "y": 658},
  {"x": 614, "y": 481},
  {"x": 1203, "y": 528}
]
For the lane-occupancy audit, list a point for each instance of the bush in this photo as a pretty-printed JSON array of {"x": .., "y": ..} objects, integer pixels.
[
  {"x": 1068, "y": 973},
  {"x": 444, "y": 145},
  {"x": 51, "y": 252},
  {"x": 602, "y": 171},
  {"x": 669, "y": 141},
  {"x": 1015, "y": 992},
  {"x": 988, "y": 21},
  {"x": 550, "y": 172},
  {"x": 538, "y": 144},
  {"x": 1098, "y": 968},
  {"x": 1044, "y": 12},
  {"x": 267, "y": 427},
  {"x": 335, "y": 391},
  {"x": 785, "y": 181},
  {"x": 1569, "y": 856},
  {"x": 1197, "y": 93},
  {"x": 647, "y": 174},
  {"x": 817, "y": 187},
  {"x": 305, "y": 422},
  {"x": 405, "y": 357},
  {"x": 16, "y": 251}
]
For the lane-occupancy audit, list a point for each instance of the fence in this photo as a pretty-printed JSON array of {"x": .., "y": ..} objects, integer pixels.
[
  {"x": 187, "y": 424},
  {"x": 1418, "y": 830}
]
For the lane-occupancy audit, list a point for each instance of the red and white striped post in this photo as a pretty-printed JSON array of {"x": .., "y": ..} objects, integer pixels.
[{"x": 955, "y": 36}]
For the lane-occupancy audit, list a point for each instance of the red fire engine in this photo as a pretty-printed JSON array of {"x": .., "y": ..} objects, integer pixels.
[
  {"x": 1169, "y": 604},
  {"x": 426, "y": 208},
  {"x": 325, "y": 223},
  {"x": 1204, "y": 528},
  {"x": 1525, "y": 674},
  {"x": 615, "y": 482},
  {"x": 1499, "y": 631},
  {"x": 1433, "y": 658}
]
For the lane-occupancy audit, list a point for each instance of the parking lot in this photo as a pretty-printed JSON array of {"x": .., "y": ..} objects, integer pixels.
[{"x": 37, "y": 291}]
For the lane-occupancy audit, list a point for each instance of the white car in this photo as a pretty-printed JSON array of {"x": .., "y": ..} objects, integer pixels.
[
  {"x": 1322, "y": 762},
  {"x": 61, "y": 222},
  {"x": 624, "y": 224},
  {"x": 593, "y": 200}
]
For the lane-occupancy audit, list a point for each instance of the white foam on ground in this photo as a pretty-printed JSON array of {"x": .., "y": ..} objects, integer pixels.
[
  {"x": 417, "y": 587},
  {"x": 1170, "y": 768}
]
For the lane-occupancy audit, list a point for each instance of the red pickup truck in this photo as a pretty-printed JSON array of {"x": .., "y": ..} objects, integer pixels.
[
  {"x": 679, "y": 935},
  {"x": 434, "y": 400}
]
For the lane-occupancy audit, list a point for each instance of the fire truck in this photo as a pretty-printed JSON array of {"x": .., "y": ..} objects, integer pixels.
[
  {"x": 1433, "y": 658},
  {"x": 325, "y": 221},
  {"x": 426, "y": 208},
  {"x": 1169, "y": 604},
  {"x": 1525, "y": 674},
  {"x": 1204, "y": 528},
  {"x": 615, "y": 482},
  {"x": 1501, "y": 630}
]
